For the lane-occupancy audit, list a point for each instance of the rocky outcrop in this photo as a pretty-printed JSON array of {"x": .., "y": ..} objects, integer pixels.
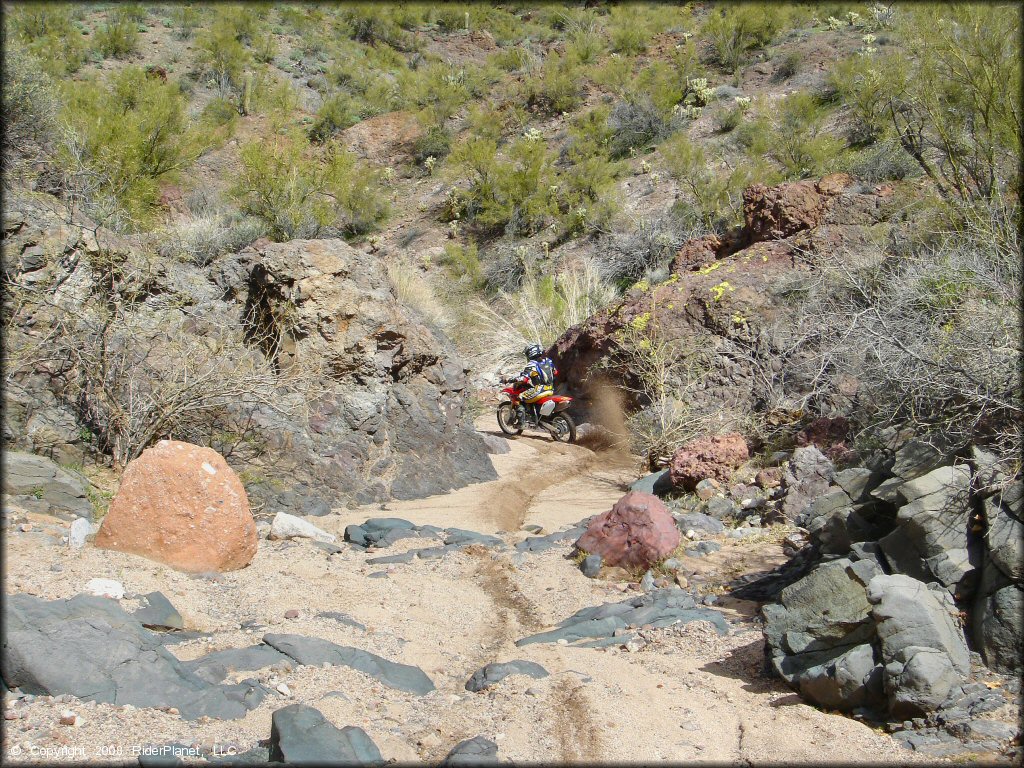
[
  {"x": 91, "y": 648},
  {"x": 725, "y": 294},
  {"x": 37, "y": 484},
  {"x": 494, "y": 673},
  {"x": 386, "y": 418},
  {"x": 634, "y": 534},
  {"x": 918, "y": 558},
  {"x": 711, "y": 457},
  {"x": 181, "y": 505},
  {"x": 301, "y": 735}
]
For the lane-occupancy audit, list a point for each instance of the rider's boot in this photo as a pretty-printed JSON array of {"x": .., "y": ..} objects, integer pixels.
[{"x": 521, "y": 413}]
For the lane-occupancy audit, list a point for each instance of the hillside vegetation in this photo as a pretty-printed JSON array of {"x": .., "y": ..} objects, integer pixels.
[{"x": 520, "y": 166}]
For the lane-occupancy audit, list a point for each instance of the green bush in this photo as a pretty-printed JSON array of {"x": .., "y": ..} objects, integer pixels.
[
  {"x": 716, "y": 196},
  {"x": 301, "y": 191},
  {"x": 557, "y": 89},
  {"x": 48, "y": 31},
  {"x": 787, "y": 65},
  {"x": 186, "y": 19},
  {"x": 463, "y": 264},
  {"x": 118, "y": 38},
  {"x": 125, "y": 137},
  {"x": 30, "y": 105},
  {"x": 337, "y": 113},
  {"x": 635, "y": 123},
  {"x": 799, "y": 142},
  {"x": 860, "y": 84},
  {"x": 222, "y": 56},
  {"x": 734, "y": 30},
  {"x": 435, "y": 142}
]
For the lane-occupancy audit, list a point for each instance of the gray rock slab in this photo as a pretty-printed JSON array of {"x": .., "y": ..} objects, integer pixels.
[
  {"x": 91, "y": 648},
  {"x": 1004, "y": 539},
  {"x": 301, "y": 735},
  {"x": 998, "y": 628},
  {"x": 158, "y": 613},
  {"x": 657, "y": 483},
  {"x": 313, "y": 650},
  {"x": 495, "y": 445},
  {"x": 917, "y": 458},
  {"x": 659, "y": 608},
  {"x": 329, "y": 547},
  {"x": 543, "y": 543},
  {"x": 475, "y": 751},
  {"x": 498, "y": 671},
  {"x": 214, "y": 667},
  {"x": 62, "y": 492},
  {"x": 858, "y": 482},
  {"x": 403, "y": 557},
  {"x": 924, "y": 652},
  {"x": 461, "y": 537}
]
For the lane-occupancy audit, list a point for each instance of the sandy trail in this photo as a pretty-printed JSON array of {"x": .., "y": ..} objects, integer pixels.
[{"x": 691, "y": 695}]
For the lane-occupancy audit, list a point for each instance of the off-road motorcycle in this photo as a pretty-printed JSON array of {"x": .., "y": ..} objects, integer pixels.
[{"x": 551, "y": 410}]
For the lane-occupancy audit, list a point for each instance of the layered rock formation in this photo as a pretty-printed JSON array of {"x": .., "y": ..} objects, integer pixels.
[{"x": 387, "y": 420}]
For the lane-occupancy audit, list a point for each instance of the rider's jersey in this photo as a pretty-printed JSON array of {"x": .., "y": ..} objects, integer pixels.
[{"x": 539, "y": 373}]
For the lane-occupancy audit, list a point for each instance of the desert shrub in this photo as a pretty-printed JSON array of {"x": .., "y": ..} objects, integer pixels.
[
  {"x": 186, "y": 19},
  {"x": 542, "y": 308},
  {"x": 48, "y": 31},
  {"x": 615, "y": 74},
  {"x": 953, "y": 92},
  {"x": 201, "y": 239},
  {"x": 717, "y": 194},
  {"x": 860, "y": 84},
  {"x": 883, "y": 161},
  {"x": 221, "y": 56},
  {"x": 635, "y": 123},
  {"x": 510, "y": 59},
  {"x": 117, "y": 38},
  {"x": 463, "y": 264},
  {"x": 628, "y": 39},
  {"x": 134, "y": 374},
  {"x": 641, "y": 250},
  {"x": 337, "y": 113},
  {"x": 664, "y": 375},
  {"x": 737, "y": 29},
  {"x": 123, "y": 138},
  {"x": 301, "y": 191},
  {"x": 585, "y": 46},
  {"x": 371, "y": 24},
  {"x": 30, "y": 105},
  {"x": 435, "y": 142},
  {"x": 728, "y": 120},
  {"x": 799, "y": 142},
  {"x": 557, "y": 87},
  {"x": 787, "y": 65},
  {"x": 512, "y": 192},
  {"x": 931, "y": 334}
]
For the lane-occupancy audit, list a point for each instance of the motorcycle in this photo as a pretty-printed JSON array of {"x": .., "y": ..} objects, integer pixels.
[{"x": 551, "y": 410}]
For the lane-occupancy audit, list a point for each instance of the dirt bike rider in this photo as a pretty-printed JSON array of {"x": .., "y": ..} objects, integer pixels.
[{"x": 539, "y": 376}]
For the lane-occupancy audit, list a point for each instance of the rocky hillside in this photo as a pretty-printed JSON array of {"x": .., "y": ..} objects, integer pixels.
[
  {"x": 270, "y": 261},
  {"x": 367, "y": 403}
]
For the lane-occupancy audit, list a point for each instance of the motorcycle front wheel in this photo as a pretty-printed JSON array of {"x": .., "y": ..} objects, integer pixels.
[
  {"x": 565, "y": 429},
  {"x": 507, "y": 420}
]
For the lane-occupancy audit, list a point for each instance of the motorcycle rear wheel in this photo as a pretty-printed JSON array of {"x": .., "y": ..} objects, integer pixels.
[
  {"x": 565, "y": 428},
  {"x": 507, "y": 420}
]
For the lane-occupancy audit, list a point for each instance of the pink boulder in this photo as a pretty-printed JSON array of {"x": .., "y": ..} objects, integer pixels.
[
  {"x": 709, "y": 457},
  {"x": 181, "y": 505},
  {"x": 634, "y": 534}
]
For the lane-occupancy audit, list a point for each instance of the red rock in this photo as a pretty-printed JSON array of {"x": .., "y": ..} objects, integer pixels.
[
  {"x": 634, "y": 534},
  {"x": 772, "y": 213},
  {"x": 829, "y": 435},
  {"x": 769, "y": 477},
  {"x": 291, "y": 613},
  {"x": 697, "y": 253},
  {"x": 181, "y": 505},
  {"x": 709, "y": 457}
]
